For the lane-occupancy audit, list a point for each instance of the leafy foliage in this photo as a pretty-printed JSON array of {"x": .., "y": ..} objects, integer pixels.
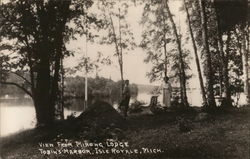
[
  {"x": 156, "y": 39},
  {"x": 90, "y": 65},
  {"x": 117, "y": 29},
  {"x": 36, "y": 32}
]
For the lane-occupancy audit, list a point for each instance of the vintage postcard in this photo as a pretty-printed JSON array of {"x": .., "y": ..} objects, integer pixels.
[{"x": 108, "y": 79}]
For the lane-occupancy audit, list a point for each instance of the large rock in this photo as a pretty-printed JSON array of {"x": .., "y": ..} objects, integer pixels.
[{"x": 102, "y": 114}]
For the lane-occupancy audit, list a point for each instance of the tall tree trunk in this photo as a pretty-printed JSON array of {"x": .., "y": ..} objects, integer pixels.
[
  {"x": 119, "y": 56},
  {"x": 220, "y": 69},
  {"x": 209, "y": 76},
  {"x": 55, "y": 91},
  {"x": 165, "y": 60},
  {"x": 225, "y": 72},
  {"x": 245, "y": 53},
  {"x": 42, "y": 98},
  {"x": 224, "y": 61},
  {"x": 62, "y": 90},
  {"x": 196, "y": 57},
  {"x": 165, "y": 48},
  {"x": 181, "y": 86},
  {"x": 121, "y": 71},
  {"x": 248, "y": 51},
  {"x": 121, "y": 53},
  {"x": 182, "y": 69}
]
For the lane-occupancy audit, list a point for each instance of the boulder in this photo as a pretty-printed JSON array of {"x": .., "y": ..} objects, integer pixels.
[{"x": 102, "y": 114}]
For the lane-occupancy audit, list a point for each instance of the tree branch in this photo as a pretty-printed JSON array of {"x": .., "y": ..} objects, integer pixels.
[
  {"x": 19, "y": 86},
  {"x": 25, "y": 79}
]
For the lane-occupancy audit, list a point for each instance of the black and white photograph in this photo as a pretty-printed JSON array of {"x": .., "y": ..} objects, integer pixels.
[{"x": 124, "y": 79}]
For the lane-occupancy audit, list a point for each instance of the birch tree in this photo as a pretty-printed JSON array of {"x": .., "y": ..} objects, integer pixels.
[
  {"x": 181, "y": 62},
  {"x": 203, "y": 92},
  {"x": 209, "y": 76},
  {"x": 118, "y": 31}
]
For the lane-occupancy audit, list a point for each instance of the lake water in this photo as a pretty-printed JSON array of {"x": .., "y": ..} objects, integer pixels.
[{"x": 19, "y": 114}]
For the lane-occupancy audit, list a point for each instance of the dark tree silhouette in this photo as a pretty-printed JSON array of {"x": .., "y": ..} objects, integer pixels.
[{"x": 36, "y": 32}]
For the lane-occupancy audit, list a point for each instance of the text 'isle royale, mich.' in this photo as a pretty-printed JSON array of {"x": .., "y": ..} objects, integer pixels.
[{"x": 67, "y": 147}]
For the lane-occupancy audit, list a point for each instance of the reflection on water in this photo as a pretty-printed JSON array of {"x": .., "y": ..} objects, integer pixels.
[
  {"x": 16, "y": 118},
  {"x": 19, "y": 114}
]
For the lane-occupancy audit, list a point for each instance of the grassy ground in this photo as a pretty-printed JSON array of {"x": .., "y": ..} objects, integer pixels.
[{"x": 178, "y": 135}]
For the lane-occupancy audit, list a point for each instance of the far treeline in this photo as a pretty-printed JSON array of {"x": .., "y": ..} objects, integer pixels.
[
  {"x": 34, "y": 35},
  {"x": 75, "y": 86},
  {"x": 99, "y": 86}
]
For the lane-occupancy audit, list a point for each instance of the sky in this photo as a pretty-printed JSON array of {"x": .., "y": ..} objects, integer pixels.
[{"x": 134, "y": 67}]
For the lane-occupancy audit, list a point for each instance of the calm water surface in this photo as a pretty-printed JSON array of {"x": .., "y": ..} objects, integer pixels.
[{"x": 19, "y": 114}]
